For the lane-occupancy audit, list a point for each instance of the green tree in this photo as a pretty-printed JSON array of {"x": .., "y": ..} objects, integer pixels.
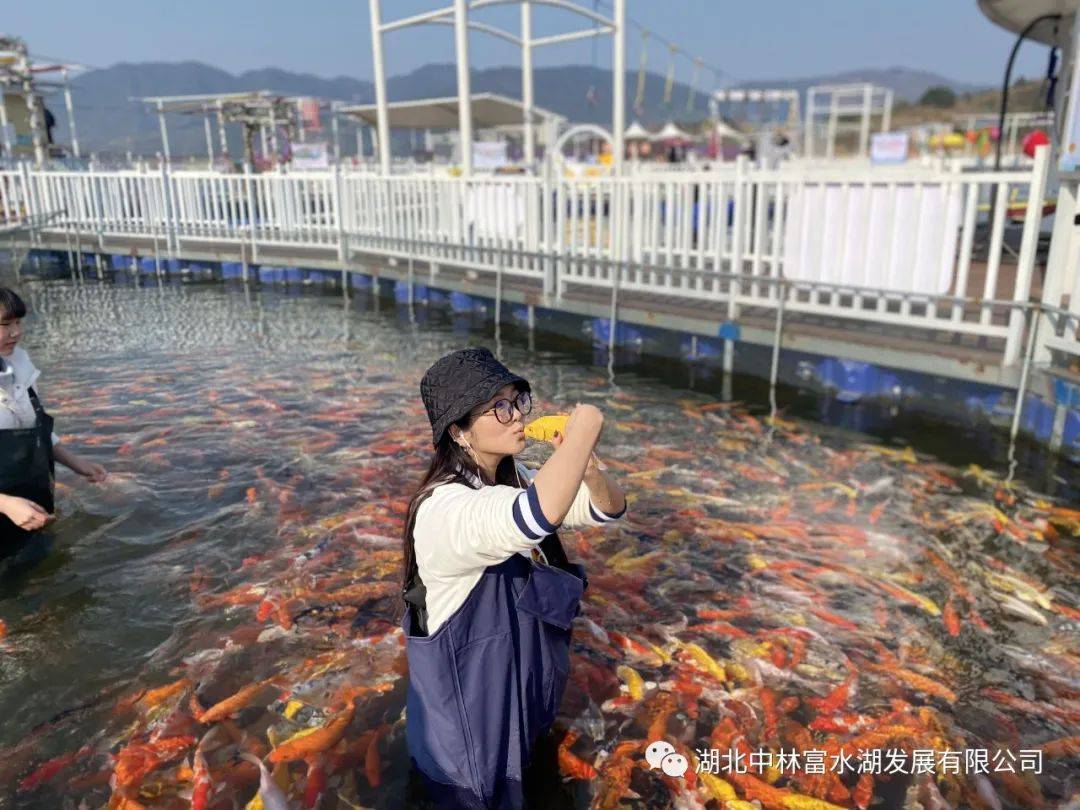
[{"x": 939, "y": 96}]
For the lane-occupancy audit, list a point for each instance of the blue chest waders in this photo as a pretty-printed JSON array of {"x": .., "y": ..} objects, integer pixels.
[
  {"x": 488, "y": 682},
  {"x": 26, "y": 471}
]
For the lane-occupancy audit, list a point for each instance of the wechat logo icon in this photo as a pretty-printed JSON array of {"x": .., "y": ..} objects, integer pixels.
[{"x": 662, "y": 755}]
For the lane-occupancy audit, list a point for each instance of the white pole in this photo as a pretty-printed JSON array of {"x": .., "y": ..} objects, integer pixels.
[
  {"x": 527, "y": 81},
  {"x": 359, "y": 141},
  {"x": 886, "y": 118},
  {"x": 808, "y": 135},
  {"x": 618, "y": 102},
  {"x": 383, "y": 114},
  {"x": 33, "y": 104},
  {"x": 209, "y": 141},
  {"x": 273, "y": 135},
  {"x": 300, "y": 122},
  {"x": 830, "y": 144},
  {"x": 71, "y": 115},
  {"x": 4, "y": 123},
  {"x": 164, "y": 133},
  {"x": 263, "y": 142},
  {"x": 864, "y": 124},
  {"x": 461, "y": 42},
  {"x": 335, "y": 133},
  {"x": 221, "y": 130}
]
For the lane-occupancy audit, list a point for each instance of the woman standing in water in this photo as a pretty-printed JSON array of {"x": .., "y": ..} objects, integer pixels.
[
  {"x": 489, "y": 591},
  {"x": 28, "y": 447}
]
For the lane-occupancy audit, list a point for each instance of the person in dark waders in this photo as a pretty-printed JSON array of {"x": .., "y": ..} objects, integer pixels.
[
  {"x": 489, "y": 592},
  {"x": 28, "y": 446}
]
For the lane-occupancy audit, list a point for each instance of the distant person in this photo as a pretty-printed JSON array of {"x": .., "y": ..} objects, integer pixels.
[
  {"x": 50, "y": 122},
  {"x": 28, "y": 446}
]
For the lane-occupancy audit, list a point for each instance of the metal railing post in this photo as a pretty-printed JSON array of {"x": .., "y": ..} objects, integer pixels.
[
  {"x": 171, "y": 242},
  {"x": 29, "y": 199},
  {"x": 250, "y": 194},
  {"x": 339, "y": 213},
  {"x": 1061, "y": 262},
  {"x": 1025, "y": 263}
]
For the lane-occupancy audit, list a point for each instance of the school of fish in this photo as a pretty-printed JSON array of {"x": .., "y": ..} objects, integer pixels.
[{"x": 772, "y": 587}]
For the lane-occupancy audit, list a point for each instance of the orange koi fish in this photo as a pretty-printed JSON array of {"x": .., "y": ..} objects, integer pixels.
[
  {"x": 229, "y": 706},
  {"x": 202, "y": 786},
  {"x": 316, "y": 741},
  {"x": 571, "y": 765},
  {"x": 47, "y": 771},
  {"x": 372, "y": 759}
]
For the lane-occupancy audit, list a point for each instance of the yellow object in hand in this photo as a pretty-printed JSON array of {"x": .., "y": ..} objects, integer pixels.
[{"x": 545, "y": 428}]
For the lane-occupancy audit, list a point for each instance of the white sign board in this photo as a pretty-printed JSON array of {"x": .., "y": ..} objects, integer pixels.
[
  {"x": 314, "y": 155},
  {"x": 489, "y": 154},
  {"x": 902, "y": 238},
  {"x": 889, "y": 147},
  {"x": 496, "y": 209}
]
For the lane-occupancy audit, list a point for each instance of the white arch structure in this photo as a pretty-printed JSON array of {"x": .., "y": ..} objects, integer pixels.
[
  {"x": 575, "y": 131},
  {"x": 457, "y": 15}
]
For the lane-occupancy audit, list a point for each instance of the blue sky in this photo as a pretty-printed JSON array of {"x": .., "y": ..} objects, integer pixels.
[{"x": 748, "y": 40}]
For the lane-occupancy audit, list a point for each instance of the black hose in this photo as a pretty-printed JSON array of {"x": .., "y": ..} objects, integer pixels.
[{"x": 1008, "y": 76}]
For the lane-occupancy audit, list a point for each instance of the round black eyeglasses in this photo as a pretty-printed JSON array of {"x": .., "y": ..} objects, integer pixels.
[{"x": 504, "y": 408}]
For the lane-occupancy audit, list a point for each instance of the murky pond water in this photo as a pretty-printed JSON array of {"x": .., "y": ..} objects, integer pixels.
[{"x": 776, "y": 586}]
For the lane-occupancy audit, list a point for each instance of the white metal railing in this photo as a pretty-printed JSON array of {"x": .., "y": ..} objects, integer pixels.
[
  {"x": 1060, "y": 324},
  {"x": 918, "y": 247}
]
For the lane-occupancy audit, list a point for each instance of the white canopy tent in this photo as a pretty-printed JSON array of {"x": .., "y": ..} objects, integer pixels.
[
  {"x": 671, "y": 132},
  {"x": 489, "y": 111},
  {"x": 725, "y": 130}
]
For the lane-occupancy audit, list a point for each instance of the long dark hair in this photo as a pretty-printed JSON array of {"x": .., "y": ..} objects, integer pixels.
[{"x": 447, "y": 464}]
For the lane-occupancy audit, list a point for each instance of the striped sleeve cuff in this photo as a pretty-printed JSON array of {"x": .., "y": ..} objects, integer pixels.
[
  {"x": 528, "y": 516},
  {"x": 604, "y": 517}
]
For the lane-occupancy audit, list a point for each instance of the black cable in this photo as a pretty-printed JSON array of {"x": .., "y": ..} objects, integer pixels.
[
  {"x": 1052, "y": 77},
  {"x": 1005, "y": 84}
]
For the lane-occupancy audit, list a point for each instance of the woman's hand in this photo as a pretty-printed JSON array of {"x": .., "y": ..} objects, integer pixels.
[
  {"x": 79, "y": 465},
  {"x": 92, "y": 471},
  {"x": 585, "y": 423},
  {"x": 24, "y": 513},
  {"x": 559, "y": 478}
]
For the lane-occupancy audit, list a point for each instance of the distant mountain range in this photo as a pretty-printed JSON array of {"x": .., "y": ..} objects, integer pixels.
[{"x": 109, "y": 121}]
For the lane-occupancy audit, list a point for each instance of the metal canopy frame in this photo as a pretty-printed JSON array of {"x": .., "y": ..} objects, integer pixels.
[
  {"x": 20, "y": 72},
  {"x": 257, "y": 110},
  {"x": 764, "y": 97},
  {"x": 836, "y": 101},
  {"x": 457, "y": 15}
]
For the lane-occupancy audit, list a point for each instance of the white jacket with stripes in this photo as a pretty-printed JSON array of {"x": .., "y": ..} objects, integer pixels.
[{"x": 460, "y": 531}]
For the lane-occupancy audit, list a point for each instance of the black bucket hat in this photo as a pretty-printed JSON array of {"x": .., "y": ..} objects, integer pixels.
[{"x": 460, "y": 381}]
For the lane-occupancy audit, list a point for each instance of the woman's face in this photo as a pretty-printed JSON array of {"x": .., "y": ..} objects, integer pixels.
[
  {"x": 488, "y": 435},
  {"x": 10, "y": 334}
]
